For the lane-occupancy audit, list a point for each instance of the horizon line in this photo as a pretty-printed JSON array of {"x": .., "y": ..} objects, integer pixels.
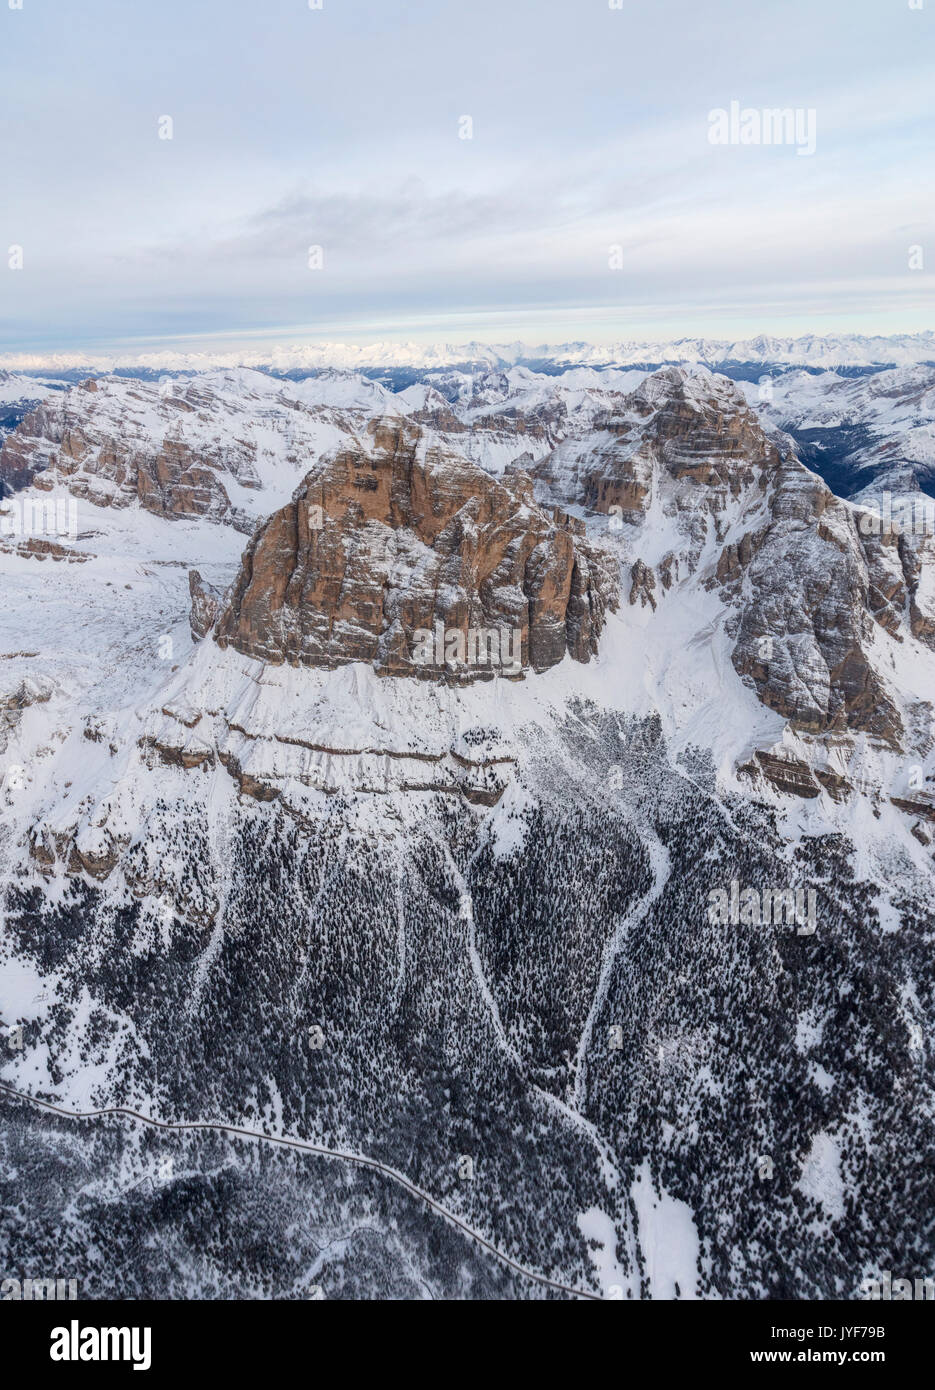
[{"x": 398, "y": 352}]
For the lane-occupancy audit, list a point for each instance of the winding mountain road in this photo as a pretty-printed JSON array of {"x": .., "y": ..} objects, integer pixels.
[{"x": 283, "y": 1141}]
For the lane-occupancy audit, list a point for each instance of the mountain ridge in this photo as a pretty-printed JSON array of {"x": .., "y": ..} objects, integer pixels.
[{"x": 846, "y": 349}]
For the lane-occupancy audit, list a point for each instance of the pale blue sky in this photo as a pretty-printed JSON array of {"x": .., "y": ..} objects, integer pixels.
[{"x": 339, "y": 127}]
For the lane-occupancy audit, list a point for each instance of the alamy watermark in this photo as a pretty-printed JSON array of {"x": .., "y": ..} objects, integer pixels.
[
  {"x": 77, "y": 1343},
  {"x": 899, "y": 516},
  {"x": 897, "y": 1290},
  {"x": 750, "y": 125},
  {"x": 751, "y": 907},
  {"x": 38, "y": 1290},
  {"x": 40, "y": 516},
  {"x": 497, "y": 647}
]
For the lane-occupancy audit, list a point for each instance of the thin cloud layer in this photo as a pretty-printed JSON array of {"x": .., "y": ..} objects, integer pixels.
[{"x": 191, "y": 173}]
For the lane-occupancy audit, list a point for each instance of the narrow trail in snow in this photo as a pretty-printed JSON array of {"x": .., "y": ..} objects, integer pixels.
[
  {"x": 571, "y": 1111},
  {"x": 567, "y": 1112},
  {"x": 400, "y": 981},
  {"x": 661, "y": 869},
  {"x": 219, "y": 838}
]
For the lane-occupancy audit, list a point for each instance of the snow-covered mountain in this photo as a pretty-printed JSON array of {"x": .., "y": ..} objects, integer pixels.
[
  {"x": 18, "y": 395},
  {"x": 866, "y": 435},
  {"x": 823, "y": 352},
  {"x": 604, "y": 969}
]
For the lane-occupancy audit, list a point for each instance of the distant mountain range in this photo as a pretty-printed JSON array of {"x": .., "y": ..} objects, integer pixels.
[{"x": 839, "y": 350}]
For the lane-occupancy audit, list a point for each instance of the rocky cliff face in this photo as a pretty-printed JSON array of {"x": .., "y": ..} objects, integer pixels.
[
  {"x": 399, "y": 553},
  {"x": 689, "y": 440},
  {"x": 118, "y": 442},
  {"x": 687, "y": 460},
  {"x": 806, "y": 627},
  {"x": 421, "y": 523},
  {"x": 226, "y": 447},
  {"x": 206, "y": 603}
]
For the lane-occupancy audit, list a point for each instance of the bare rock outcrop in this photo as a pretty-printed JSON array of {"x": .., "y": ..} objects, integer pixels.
[
  {"x": 685, "y": 452},
  {"x": 94, "y": 461},
  {"x": 117, "y": 442},
  {"x": 806, "y": 613},
  {"x": 690, "y": 435},
  {"x": 206, "y": 603},
  {"x": 13, "y": 703},
  {"x": 401, "y": 553}
]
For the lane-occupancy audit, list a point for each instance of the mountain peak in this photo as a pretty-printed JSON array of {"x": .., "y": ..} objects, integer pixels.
[{"x": 401, "y": 553}]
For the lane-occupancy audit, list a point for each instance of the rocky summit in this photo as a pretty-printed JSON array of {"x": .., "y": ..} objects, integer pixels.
[{"x": 387, "y": 542}]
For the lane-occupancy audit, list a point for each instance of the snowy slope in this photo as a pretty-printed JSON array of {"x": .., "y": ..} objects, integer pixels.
[{"x": 491, "y": 899}]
